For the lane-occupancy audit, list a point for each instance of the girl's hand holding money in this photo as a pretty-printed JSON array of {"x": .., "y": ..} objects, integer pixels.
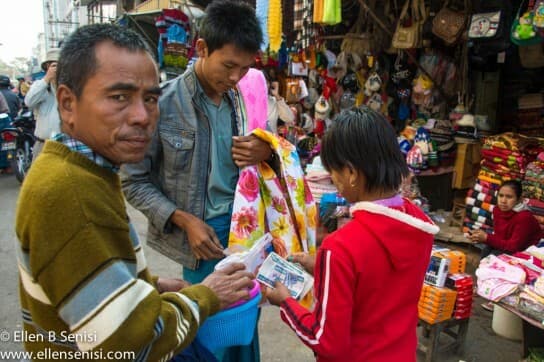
[
  {"x": 277, "y": 295},
  {"x": 306, "y": 260}
]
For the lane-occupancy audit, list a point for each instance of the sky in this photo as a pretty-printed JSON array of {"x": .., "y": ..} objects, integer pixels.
[{"x": 22, "y": 21}]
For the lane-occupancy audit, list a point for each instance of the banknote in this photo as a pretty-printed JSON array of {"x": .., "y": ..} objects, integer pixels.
[{"x": 275, "y": 268}]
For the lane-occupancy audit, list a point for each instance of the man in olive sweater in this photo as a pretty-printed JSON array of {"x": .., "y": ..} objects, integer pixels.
[{"x": 85, "y": 289}]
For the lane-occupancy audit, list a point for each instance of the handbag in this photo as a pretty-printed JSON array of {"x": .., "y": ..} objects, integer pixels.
[
  {"x": 449, "y": 24},
  {"x": 408, "y": 37},
  {"x": 359, "y": 38}
]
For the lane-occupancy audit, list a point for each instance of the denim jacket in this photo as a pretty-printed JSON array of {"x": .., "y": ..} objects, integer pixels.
[{"x": 174, "y": 173}]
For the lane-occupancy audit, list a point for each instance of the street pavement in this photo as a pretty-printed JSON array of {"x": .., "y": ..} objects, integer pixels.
[{"x": 278, "y": 342}]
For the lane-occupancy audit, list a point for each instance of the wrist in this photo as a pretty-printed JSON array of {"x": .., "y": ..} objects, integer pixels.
[{"x": 180, "y": 218}]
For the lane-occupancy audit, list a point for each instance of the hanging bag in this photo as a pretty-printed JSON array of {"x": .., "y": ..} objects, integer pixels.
[
  {"x": 449, "y": 24},
  {"x": 408, "y": 37},
  {"x": 359, "y": 39}
]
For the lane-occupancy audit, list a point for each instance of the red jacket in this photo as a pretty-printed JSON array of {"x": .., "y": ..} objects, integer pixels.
[
  {"x": 368, "y": 278},
  {"x": 513, "y": 231}
]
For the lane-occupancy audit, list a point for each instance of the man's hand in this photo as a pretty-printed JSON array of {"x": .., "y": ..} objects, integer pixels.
[
  {"x": 249, "y": 150},
  {"x": 201, "y": 237},
  {"x": 277, "y": 295},
  {"x": 306, "y": 260},
  {"x": 171, "y": 284},
  {"x": 51, "y": 73},
  {"x": 230, "y": 284}
]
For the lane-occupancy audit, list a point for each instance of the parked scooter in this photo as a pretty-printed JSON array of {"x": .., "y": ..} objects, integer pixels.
[{"x": 18, "y": 141}]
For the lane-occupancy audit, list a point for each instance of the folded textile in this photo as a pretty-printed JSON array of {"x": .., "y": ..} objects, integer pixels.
[
  {"x": 479, "y": 211},
  {"x": 492, "y": 180},
  {"x": 497, "y": 278},
  {"x": 477, "y": 203},
  {"x": 480, "y": 196},
  {"x": 484, "y": 189},
  {"x": 472, "y": 225}
]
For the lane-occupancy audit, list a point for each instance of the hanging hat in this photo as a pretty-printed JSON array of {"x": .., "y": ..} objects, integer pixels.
[
  {"x": 51, "y": 56},
  {"x": 322, "y": 108}
]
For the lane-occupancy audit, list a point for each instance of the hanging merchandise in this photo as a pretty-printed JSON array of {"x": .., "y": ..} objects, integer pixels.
[
  {"x": 174, "y": 46},
  {"x": 408, "y": 32},
  {"x": 422, "y": 91},
  {"x": 484, "y": 25},
  {"x": 487, "y": 37},
  {"x": 448, "y": 24},
  {"x": 261, "y": 11},
  {"x": 275, "y": 24},
  {"x": 523, "y": 30},
  {"x": 538, "y": 20},
  {"x": 319, "y": 6},
  {"x": 359, "y": 39},
  {"x": 332, "y": 12}
]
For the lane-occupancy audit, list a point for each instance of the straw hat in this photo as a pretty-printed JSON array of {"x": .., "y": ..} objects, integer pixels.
[{"x": 51, "y": 56}]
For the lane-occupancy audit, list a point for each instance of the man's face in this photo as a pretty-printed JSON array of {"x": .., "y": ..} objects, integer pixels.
[
  {"x": 118, "y": 108},
  {"x": 224, "y": 67}
]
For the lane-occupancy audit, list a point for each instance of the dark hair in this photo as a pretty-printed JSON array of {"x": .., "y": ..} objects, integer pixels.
[
  {"x": 364, "y": 140},
  {"x": 231, "y": 22},
  {"x": 77, "y": 60},
  {"x": 514, "y": 185}
]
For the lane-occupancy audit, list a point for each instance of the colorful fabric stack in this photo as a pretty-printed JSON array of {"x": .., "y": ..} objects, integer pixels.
[
  {"x": 480, "y": 202},
  {"x": 533, "y": 183},
  {"x": 462, "y": 284},
  {"x": 436, "y": 304},
  {"x": 537, "y": 209},
  {"x": 504, "y": 157}
]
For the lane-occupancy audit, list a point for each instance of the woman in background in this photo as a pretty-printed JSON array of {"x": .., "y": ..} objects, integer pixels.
[{"x": 513, "y": 229}]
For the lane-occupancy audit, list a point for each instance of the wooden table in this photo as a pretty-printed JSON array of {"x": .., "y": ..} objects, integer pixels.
[
  {"x": 533, "y": 330},
  {"x": 455, "y": 328}
]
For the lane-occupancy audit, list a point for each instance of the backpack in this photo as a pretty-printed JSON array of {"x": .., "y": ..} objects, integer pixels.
[{"x": 489, "y": 30}]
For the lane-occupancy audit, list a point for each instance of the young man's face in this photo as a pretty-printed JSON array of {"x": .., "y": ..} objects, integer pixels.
[
  {"x": 118, "y": 108},
  {"x": 224, "y": 67}
]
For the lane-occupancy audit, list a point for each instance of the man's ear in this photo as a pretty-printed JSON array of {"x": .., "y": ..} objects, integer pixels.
[
  {"x": 66, "y": 100},
  {"x": 201, "y": 48}
]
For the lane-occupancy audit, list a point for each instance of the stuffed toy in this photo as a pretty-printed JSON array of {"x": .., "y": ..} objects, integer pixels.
[{"x": 524, "y": 30}]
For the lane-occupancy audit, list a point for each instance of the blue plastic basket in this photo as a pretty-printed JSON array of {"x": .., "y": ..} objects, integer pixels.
[{"x": 230, "y": 327}]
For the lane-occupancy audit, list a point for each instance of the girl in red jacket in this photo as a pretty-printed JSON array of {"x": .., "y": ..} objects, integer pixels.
[
  {"x": 513, "y": 231},
  {"x": 369, "y": 273}
]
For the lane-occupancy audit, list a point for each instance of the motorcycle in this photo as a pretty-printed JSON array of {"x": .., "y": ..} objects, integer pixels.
[{"x": 18, "y": 141}]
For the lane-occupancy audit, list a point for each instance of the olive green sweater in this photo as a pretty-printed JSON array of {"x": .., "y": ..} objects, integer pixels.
[{"x": 83, "y": 274}]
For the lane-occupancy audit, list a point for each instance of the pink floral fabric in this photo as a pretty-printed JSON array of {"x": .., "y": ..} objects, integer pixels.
[{"x": 282, "y": 205}]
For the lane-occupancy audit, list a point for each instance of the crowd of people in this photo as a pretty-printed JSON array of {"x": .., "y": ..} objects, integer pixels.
[{"x": 108, "y": 131}]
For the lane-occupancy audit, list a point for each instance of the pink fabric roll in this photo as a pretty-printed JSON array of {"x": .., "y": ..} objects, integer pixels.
[{"x": 255, "y": 95}]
